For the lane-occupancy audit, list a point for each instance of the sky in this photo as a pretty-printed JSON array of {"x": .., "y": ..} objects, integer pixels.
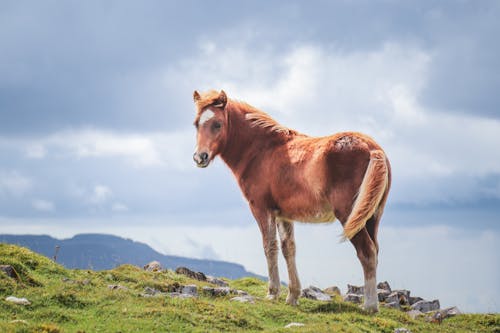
[{"x": 96, "y": 130}]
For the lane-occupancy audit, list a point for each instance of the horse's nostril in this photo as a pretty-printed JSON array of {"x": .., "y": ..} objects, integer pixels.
[{"x": 204, "y": 156}]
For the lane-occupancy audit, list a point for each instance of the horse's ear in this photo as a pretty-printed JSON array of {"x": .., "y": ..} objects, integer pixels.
[
  {"x": 221, "y": 100},
  {"x": 196, "y": 96}
]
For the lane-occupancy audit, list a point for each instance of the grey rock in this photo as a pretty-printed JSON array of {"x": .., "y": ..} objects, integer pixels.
[
  {"x": 426, "y": 306},
  {"x": 401, "y": 330},
  {"x": 400, "y": 296},
  {"x": 19, "y": 301},
  {"x": 191, "y": 274},
  {"x": 117, "y": 287},
  {"x": 153, "y": 266},
  {"x": 239, "y": 292},
  {"x": 332, "y": 291},
  {"x": 353, "y": 298},
  {"x": 216, "y": 281},
  {"x": 383, "y": 294},
  {"x": 294, "y": 325},
  {"x": 393, "y": 305},
  {"x": 190, "y": 289},
  {"x": 149, "y": 292},
  {"x": 216, "y": 292},
  {"x": 414, "y": 313},
  {"x": 181, "y": 295},
  {"x": 414, "y": 300},
  {"x": 315, "y": 293},
  {"x": 243, "y": 299},
  {"x": 384, "y": 285},
  {"x": 10, "y": 272},
  {"x": 355, "y": 290}
]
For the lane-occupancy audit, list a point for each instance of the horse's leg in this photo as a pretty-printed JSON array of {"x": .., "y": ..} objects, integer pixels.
[
  {"x": 267, "y": 226},
  {"x": 367, "y": 254},
  {"x": 287, "y": 239}
]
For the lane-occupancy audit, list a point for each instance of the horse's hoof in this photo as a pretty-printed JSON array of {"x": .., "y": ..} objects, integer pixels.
[{"x": 292, "y": 301}]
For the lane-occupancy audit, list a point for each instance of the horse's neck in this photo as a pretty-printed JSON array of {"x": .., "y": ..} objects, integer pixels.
[{"x": 244, "y": 141}]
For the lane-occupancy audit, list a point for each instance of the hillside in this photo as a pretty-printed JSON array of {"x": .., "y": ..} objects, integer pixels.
[
  {"x": 100, "y": 252},
  {"x": 130, "y": 299}
]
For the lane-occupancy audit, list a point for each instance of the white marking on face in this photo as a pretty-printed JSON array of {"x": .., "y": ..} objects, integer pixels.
[{"x": 206, "y": 116}]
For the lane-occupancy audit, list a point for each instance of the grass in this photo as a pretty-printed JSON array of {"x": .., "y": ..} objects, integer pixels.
[{"x": 80, "y": 301}]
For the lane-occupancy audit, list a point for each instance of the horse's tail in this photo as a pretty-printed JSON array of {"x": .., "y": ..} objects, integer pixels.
[{"x": 370, "y": 194}]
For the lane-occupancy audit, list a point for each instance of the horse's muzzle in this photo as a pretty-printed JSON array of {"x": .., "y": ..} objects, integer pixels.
[{"x": 201, "y": 159}]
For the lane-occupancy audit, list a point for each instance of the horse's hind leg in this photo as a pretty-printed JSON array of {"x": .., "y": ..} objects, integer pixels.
[
  {"x": 287, "y": 238},
  {"x": 367, "y": 255}
]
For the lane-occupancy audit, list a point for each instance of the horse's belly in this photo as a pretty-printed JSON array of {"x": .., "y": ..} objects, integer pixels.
[{"x": 311, "y": 216}]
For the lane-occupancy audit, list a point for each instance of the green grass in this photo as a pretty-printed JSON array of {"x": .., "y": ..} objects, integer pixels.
[{"x": 86, "y": 304}]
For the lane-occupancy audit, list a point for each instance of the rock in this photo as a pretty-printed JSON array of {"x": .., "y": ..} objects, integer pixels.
[
  {"x": 384, "y": 285},
  {"x": 353, "y": 298},
  {"x": 19, "y": 321},
  {"x": 191, "y": 274},
  {"x": 190, "y": 289},
  {"x": 400, "y": 296},
  {"x": 174, "y": 287},
  {"x": 153, "y": 266},
  {"x": 117, "y": 287},
  {"x": 401, "y": 330},
  {"x": 216, "y": 292},
  {"x": 426, "y": 306},
  {"x": 383, "y": 294},
  {"x": 393, "y": 305},
  {"x": 450, "y": 312},
  {"x": 414, "y": 313},
  {"x": 10, "y": 272},
  {"x": 316, "y": 294},
  {"x": 294, "y": 325},
  {"x": 355, "y": 290},
  {"x": 243, "y": 299},
  {"x": 414, "y": 300},
  {"x": 216, "y": 281},
  {"x": 239, "y": 292},
  {"x": 19, "y": 301},
  {"x": 181, "y": 295},
  {"x": 332, "y": 291},
  {"x": 149, "y": 292}
]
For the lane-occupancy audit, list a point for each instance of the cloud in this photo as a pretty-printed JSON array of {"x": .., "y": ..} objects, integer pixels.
[
  {"x": 43, "y": 205},
  {"x": 100, "y": 195},
  {"x": 14, "y": 184}
]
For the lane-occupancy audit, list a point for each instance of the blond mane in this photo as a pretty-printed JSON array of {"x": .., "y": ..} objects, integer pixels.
[{"x": 261, "y": 119}]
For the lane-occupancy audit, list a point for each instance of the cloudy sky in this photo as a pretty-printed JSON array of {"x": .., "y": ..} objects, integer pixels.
[{"x": 96, "y": 127}]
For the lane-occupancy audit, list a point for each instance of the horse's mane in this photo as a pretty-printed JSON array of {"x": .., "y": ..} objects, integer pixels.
[{"x": 258, "y": 118}]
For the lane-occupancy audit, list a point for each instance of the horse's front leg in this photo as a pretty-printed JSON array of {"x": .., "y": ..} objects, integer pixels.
[
  {"x": 267, "y": 225},
  {"x": 285, "y": 229}
]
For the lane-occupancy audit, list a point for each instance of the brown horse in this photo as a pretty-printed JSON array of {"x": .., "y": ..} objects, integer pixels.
[{"x": 287, "y": 176}]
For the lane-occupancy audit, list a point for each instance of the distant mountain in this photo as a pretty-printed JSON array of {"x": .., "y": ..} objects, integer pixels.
[{"x": 100, "y": 252}]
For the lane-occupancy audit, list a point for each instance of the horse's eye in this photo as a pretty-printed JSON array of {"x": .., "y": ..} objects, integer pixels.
[{"x": 216, "y": 125}]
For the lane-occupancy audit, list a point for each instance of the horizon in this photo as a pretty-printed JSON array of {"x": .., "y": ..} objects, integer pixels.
[{"x": 96, "y": 130}]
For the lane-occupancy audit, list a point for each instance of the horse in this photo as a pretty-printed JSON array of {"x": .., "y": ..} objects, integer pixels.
[{"x": 287, "y": 176}]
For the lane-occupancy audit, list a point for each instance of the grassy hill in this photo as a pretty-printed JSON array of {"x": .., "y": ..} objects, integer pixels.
[{"x": 65, "y": 300}]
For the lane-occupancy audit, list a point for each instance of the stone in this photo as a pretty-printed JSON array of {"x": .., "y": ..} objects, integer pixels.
[
  {"x": 191, "y": 274},
  {"x": 401, "y": 330},
  {"x": 426, "y": 306},
  {"x": 10, "y": 272},
  {"x": 450, "y": 312},
  {"x": 414, "y": 300},
  {"x": 316, "y": 294},
  {"x": 243, "y": 299},
  {"x": 239, "y": 292},
  {"x": 216, "y": 292},
  {"x": 400, "y": 296},
  {"x": 181, "y": 295},
  {"x": 174, "y": 287},
  {"x": 356, "y": 290},
  {"x": 383, "y": 294},
  {"x": 19, "y": 321},
  {"x": 353, "y": 298},
  {"x": 392, "y": 305},
  {"x": 190, "y": 289},
  {"x": 414, "y": 313},
  {"x": 332, "y": 291},
  {"x": 153, "y": 266},
  {"x": 294, "y": 325},
  {"x": 216, "y": 281},
  {"x": 149, "y": 292},
  {"x": 117, "y": 287},
  {"x": 384, "y": 285},
  {"x": 19, "y": 301}
]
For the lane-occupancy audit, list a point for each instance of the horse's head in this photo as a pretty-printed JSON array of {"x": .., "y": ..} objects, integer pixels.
[{"x": 211, "y": 125}]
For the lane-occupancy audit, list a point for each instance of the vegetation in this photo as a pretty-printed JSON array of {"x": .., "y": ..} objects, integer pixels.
[{"x": 80, "y": 301}]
